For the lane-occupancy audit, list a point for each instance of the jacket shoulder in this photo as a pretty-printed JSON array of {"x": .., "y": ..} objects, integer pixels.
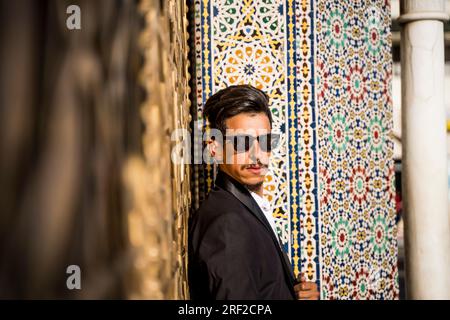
[
  {"x": 219, "y": 208},
  {"x": 218, "y": 202}
]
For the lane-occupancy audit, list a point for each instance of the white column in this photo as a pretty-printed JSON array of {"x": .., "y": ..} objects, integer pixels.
[{"x": 427, "y": 224}]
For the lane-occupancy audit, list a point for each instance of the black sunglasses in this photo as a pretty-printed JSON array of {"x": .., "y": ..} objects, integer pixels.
[{"x": 243, "y": 142}]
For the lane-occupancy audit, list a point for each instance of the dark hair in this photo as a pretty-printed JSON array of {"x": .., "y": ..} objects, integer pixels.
[{"x": 232, "y": 101}]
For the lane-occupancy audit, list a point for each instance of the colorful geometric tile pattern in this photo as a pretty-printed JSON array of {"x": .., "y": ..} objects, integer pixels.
[
  {"x": 326, "y": 66},
  {"x": 357, "y": 217}
]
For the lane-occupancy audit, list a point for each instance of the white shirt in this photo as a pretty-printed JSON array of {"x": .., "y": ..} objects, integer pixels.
[{"x": 264, "y": 204}]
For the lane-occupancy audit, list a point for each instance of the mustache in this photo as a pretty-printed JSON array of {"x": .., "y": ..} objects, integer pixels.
[{"x": 253, "y": 165}]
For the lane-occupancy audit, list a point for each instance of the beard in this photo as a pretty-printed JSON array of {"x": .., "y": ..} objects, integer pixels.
[{"x": 254, "y": 187}]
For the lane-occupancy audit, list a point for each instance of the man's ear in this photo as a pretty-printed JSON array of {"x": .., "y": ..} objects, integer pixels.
[{"x": 213, "y": 147}]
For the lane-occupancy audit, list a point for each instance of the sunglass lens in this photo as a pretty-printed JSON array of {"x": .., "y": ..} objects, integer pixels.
[
  {"x": 274, "y": 140},
  {"x": 242, "y": 143},
  {"x": 268, "y": 142}
]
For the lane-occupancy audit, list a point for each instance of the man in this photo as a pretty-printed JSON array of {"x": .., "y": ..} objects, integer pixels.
[{"x": 234, "y": 249}]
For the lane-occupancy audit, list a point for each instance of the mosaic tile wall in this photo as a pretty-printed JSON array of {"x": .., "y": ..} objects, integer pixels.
[
  {"x": 326, "y": 66},
  {"x": 355, "y": 150}
]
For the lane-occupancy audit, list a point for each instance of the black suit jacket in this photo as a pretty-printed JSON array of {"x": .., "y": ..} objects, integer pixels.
[{"x": 233, "y": 252}]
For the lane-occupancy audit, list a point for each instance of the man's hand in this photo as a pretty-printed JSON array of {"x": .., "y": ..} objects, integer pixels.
[{"x": 306, "y": 290}]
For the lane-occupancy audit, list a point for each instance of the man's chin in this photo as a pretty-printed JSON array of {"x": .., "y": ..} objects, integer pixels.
[
  {"x": 253, "y": 180},
  {"x": 254, "y": 187}
]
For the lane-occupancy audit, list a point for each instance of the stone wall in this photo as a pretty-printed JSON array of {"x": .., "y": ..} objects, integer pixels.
[{"x": 86, "y": 179}]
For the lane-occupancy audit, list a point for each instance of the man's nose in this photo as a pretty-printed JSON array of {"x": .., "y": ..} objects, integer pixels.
[{"x": 255, "y": 151}]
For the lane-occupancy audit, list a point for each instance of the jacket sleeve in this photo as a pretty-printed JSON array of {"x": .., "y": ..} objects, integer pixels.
[{"x": 229, "y": 256}]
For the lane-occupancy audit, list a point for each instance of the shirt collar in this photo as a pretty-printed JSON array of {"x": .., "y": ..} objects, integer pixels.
[{"x": 263, "y": 203}]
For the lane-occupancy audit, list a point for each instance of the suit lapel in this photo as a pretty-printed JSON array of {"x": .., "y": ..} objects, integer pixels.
[{"x": 243, "y": 195}]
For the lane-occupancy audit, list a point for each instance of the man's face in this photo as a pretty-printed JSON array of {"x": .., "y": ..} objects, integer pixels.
[{"x": 249, "y": 164}]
